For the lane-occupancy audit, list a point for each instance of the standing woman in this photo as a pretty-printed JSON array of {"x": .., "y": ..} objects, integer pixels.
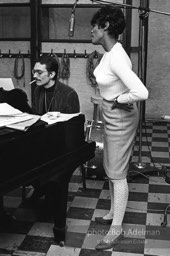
[{"x": 120, "y": 89}]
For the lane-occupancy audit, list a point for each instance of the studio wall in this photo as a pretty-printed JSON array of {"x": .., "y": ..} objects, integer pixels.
[
  {"x": 158, "y": 66},
  {"x": 15, "y": 23}
]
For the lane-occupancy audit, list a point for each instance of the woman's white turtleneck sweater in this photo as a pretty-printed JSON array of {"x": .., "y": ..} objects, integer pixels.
[{"x": 116, "y": 79}]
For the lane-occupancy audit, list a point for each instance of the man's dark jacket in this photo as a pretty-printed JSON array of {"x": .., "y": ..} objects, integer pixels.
[{"x": 65, "y": 99}]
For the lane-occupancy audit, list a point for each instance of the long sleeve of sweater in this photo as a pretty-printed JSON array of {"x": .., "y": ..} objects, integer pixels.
[{"x": 137, "y": 91}]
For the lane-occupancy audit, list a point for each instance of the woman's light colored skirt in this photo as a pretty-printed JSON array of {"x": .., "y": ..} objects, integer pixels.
[{"x": 119, "y": 132}]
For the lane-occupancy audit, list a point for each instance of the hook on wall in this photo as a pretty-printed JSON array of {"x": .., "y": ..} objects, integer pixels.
[
  {"x": 75, "y": 55},
  {"x": 85, "y": 54},
  {"x": 9, "y": 54},
  {"x": 95, "y": 54},
  {"x": 29, "y": 55},
  {"x": 51, "y": 54},
  {"x": 65, "y": 54},
  {"x": 1, "y": 55}
]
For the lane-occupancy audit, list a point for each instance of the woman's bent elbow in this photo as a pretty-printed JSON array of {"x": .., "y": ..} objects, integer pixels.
[{"x": 146, "y": 95}]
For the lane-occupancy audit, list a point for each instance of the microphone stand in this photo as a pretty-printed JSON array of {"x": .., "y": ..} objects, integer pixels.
[
  {"x": 142, "y": 63},
  {"x": 129, "y": 6},
  {"x": 74, "y": 6}
]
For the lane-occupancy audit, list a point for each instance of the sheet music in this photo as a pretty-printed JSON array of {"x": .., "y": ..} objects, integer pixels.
[
  {"x": 11, "y": 115},
  {"x": 24, "y": 125},
  {"x": 7, "y": 120}
]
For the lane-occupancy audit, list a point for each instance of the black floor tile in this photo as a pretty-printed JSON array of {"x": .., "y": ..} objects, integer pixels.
[
  {"x": 94, "y": 193},
  {"x": 158, "y": 233},
  {"x": 159, "y": 189},
  {"x": 80, "y": 213},
  {"x": 103, "y": 204},
  {"x": 138, "y": 196},
  {"x": 88, "y": 252},
  {"x": 130, "y": 245},
  {"x": 135, "y": 218},
  {"x": 36, "y": 244},
  {"x": 74, "y": 239}
]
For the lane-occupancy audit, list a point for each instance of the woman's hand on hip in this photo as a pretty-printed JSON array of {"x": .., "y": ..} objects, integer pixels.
[{"x": 125, "y": 106}]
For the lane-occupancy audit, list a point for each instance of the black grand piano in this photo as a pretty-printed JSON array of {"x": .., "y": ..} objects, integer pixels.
[{"x": 47, "y": 152}]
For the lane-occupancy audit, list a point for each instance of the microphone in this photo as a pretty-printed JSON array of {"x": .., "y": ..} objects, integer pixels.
[
  {"x": 71, "y": 25},
  {"x": 72, "y": 21}
]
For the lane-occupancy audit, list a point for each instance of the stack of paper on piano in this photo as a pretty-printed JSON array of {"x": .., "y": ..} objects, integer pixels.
[
  {"x": 14, "y": 118},
  {"x": 54, "y": 117}
]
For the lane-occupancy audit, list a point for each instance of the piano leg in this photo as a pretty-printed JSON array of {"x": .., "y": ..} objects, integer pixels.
[{"x": 56, "y": 196}]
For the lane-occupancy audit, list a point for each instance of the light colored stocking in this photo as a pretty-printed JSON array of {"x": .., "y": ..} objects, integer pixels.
[
  {"x": 121, "y": 192},
  {"x": 110, "y": 214}
]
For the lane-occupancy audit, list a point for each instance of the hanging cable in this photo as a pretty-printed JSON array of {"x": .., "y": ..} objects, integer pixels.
[
  {"x": 57, "y": 59},
  {"x": 65, "y": 66},
  {"x": 16, "y": 67},
  {"x": 93, "y": 61},
  {"x": 19, "y": 63}
]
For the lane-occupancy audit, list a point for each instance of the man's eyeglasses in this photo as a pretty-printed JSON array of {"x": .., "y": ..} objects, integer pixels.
[{"x": 39, "y": 72}]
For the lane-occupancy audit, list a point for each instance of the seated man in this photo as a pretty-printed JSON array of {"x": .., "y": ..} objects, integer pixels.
[{"x": 52, "y": 95}]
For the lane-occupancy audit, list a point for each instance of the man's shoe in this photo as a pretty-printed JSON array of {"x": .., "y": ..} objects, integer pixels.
[
  {"x": 106, "y": 246},
  {"x": 59, "y": 235},
  {"x": 100, "y": 220}
]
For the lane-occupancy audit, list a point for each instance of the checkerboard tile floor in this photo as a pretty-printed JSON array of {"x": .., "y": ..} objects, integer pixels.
[{"x": 149, "y": 195}]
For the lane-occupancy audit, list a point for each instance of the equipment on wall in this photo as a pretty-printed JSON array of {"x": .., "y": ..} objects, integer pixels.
[
  {"x": 72, "y": 20},
  {"x": 93, "y": 61},
  {"x": 57, "y": 59},
  {"x": 19, "y": 64},
  {"x": 65, "y": 66}
]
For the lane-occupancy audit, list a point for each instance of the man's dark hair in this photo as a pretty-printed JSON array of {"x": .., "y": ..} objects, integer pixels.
[{"x": 51, "y": 64}]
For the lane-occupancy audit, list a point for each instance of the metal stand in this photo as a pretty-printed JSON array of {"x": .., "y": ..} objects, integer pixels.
[
  {"x": 89, "y": 126},
  {"x": 142, "y": 58}
]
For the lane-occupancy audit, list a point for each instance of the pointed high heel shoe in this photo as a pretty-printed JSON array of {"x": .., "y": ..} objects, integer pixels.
[
  {"x": 106, "y": 246},
  {"x": 100, "y": 220}
]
